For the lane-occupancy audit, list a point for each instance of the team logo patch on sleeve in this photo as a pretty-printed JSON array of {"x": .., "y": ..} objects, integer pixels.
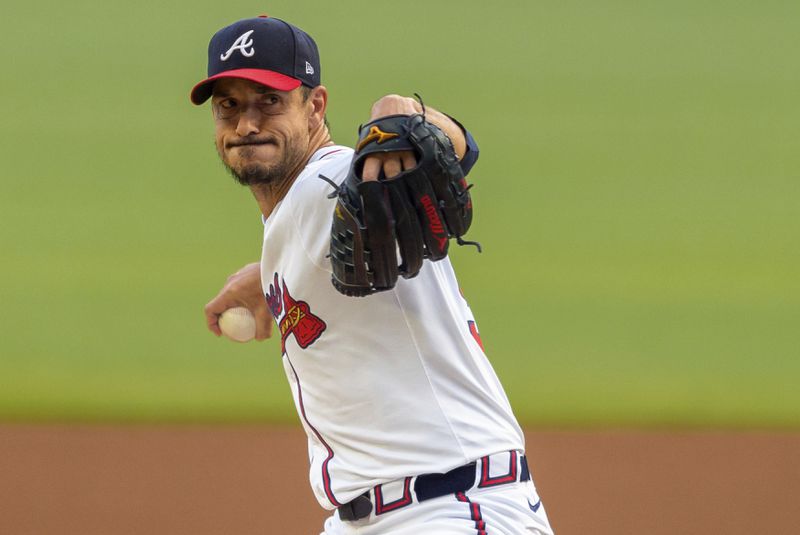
[{"x": 297, "y": 320}]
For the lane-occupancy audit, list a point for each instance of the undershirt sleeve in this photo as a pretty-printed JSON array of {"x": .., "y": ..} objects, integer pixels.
[{"x": 472, "y": 152}]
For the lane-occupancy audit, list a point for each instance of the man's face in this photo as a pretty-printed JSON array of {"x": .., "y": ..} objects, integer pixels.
[{"x": 262, "y": 134}]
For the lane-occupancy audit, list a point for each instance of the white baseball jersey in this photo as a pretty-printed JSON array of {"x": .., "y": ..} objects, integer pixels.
[{"x": 391, "y": 385}]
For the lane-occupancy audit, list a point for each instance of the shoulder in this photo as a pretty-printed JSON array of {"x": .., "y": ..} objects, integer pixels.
[
  {"x": 308, "y": 207},
  {"x": 332, "y": 163},
  {"x": 310, "y": 192}
]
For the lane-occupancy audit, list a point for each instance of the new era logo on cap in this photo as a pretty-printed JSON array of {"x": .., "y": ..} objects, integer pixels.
[{"x": 265, "y": 50}]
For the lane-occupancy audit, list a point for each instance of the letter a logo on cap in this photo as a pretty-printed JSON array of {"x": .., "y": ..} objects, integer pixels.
[{"x": 242, "y": 44}]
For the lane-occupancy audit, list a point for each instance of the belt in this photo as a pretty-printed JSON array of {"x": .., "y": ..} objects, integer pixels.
[{"x": 429, "y": 486}]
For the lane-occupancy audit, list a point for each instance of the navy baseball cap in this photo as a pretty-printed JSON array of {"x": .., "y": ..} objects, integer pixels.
[{"x": 265, "y": 50}]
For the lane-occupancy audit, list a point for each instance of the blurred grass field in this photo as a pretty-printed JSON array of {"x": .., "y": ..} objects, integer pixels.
[{"x": 637, "y": 199}]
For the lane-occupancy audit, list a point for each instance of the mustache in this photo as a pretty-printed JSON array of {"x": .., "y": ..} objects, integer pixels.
[{"x": 243, "y": 142}]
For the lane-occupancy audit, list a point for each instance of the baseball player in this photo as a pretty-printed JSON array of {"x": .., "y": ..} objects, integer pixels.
[{"x": 409, "y": 430}]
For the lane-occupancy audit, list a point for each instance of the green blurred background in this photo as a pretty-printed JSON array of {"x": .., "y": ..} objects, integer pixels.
[{"x": 637, "y": 199}]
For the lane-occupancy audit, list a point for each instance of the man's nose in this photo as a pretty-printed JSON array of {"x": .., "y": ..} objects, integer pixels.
[{"x": 249, "y": 122}]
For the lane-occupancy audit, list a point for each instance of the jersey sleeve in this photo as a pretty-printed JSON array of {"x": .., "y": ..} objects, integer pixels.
[{"x": 312, "y": 211}]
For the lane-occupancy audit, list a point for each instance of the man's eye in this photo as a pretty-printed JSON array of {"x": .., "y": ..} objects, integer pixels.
[{"x": 227, "y": 104}]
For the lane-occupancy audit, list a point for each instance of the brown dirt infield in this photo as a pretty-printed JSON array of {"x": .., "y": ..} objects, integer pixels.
[{"x": 238, "y": 480}]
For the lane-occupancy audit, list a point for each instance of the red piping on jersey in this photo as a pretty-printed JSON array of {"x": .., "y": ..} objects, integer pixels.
[
  {"x": 475, "y": 513},
  {"x": 326, "y": 477},
  {"x": 329, "y": 153}
]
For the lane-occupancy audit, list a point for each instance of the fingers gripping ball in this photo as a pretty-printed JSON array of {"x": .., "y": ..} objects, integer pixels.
[
  {"x": 413, "y": 214},
  {"x": 238, "y": 324}
]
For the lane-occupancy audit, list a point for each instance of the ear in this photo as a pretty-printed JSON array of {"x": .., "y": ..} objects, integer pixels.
[{"x": 318, "y": 103}]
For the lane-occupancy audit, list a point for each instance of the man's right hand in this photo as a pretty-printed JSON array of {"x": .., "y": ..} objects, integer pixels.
[{"x": 243, "y": 289}]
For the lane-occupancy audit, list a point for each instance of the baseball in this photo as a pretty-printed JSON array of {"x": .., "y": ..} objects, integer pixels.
[{"x": 238, "y": 324}]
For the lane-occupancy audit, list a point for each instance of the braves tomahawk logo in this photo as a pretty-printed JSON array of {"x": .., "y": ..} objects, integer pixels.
[
  {"x": 297, "y": 316},
  {"x": 243, "y": 44}
]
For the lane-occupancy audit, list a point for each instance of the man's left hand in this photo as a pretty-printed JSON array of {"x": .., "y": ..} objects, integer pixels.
[{"x": 392, "y": 163}]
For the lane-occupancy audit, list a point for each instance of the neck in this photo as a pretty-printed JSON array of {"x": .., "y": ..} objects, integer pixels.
[{"x": 269, "y": 195}]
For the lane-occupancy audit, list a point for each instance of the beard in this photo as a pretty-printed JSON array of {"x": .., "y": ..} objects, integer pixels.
[{"x": 255, "y": 172}]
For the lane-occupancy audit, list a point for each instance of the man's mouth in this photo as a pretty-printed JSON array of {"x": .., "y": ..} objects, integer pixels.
[{"x": 250, "y": 143}]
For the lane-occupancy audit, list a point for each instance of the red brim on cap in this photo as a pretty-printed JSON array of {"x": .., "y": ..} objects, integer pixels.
[{"x": 202, "y": 91}]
